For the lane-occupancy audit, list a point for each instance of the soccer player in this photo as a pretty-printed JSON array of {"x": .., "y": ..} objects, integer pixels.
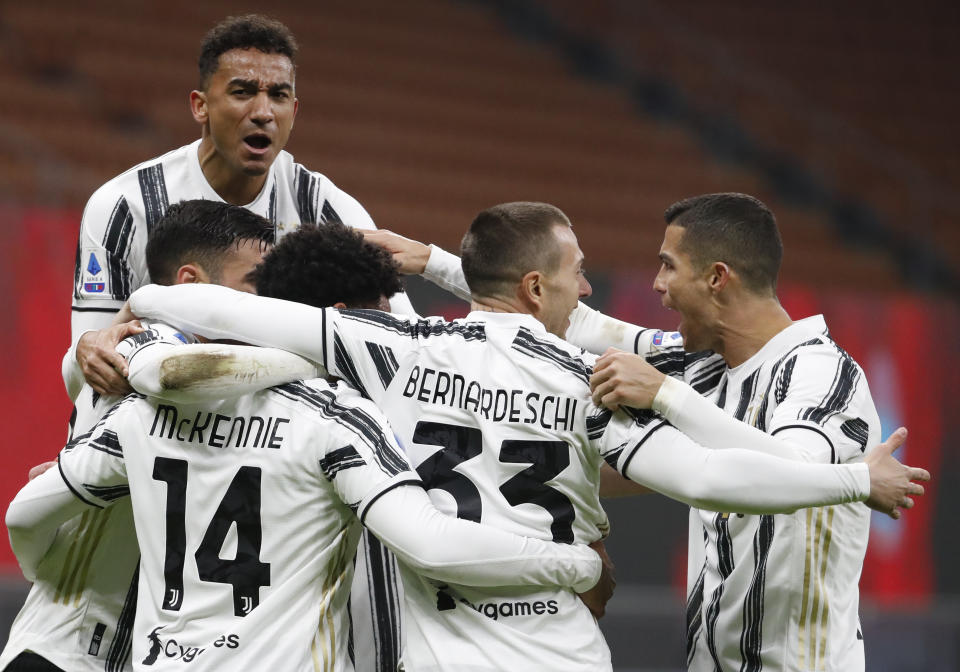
[
  {"x": 245, "y": 104},
  {"x": 79, "y": 611},
  {"x": 777, "y": 592},
  {"x": 248, "y": 513},
  {"x": 495, "y": 413}
]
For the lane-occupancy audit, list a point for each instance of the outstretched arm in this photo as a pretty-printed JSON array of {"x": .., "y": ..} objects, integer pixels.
[
  {"x": 745, "y": 481},
  {"x": 459, "y": 551}
]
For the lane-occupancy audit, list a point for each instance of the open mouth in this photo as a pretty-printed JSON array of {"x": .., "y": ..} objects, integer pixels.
[{"x": 257, "y": 142}]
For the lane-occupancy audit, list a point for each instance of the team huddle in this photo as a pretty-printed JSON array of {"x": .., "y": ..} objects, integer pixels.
[{"x": 275, "y": 463}]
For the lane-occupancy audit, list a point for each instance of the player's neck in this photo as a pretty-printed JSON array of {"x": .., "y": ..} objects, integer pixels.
[
  {"x": 490, "y": 304},
  {"x": 748, "y": 325},
  {"x": 233, "y": 187}
]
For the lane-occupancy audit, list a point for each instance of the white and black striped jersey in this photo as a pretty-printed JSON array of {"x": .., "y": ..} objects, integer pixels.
[
  {"x": 79, "y": 612},
  {"x": 495, "y": 414},
  {"x": 111, "y": 263},
  {"x": 110, "y": 259},
  {"x": 779, "y": 591},
  {"x": 247, "y": 514}
]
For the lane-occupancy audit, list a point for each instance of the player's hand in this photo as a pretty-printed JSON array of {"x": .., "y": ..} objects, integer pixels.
[
  {"x": 623, "y": 379},
  {"x": 103, "y": 367},
  {"x": 597, "y": 597},
  {"x": 890, "y": 481},
  {"x": 41, "y": 468},
  {"x": 411, "y": 255}
]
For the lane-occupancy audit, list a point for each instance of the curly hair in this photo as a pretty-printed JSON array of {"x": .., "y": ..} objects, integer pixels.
[
  {"x": 250, "y": 31},
  {"x": 327, "y": 264}
]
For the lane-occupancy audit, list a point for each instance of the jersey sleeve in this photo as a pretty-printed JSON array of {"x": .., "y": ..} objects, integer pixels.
[
  {"x": 365, "y": 347},
  {"x": 646, "y": 449},
  {"x": 92, "y": 465},
  {"x": 821, "y": 393},
  {"x": 108, "y": 260},
  {"x": 363, "y": 460}
]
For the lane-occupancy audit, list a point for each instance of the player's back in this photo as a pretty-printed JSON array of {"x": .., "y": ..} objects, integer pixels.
[
  {"x": 246, "y": 540},
  {"x": 495, "y": 415}
]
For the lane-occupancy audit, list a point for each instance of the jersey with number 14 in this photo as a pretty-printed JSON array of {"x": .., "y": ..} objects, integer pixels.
[
  {"x": 495, "y": 415},
  {"x": 245, "y": 517}
]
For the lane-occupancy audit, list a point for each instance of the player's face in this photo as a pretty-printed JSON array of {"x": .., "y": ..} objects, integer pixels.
[
  {"x": 239, "y": 264},
  {"x": 565, "y": 286},
  {"x": 684, "y": 288},
  {"x": 248, "y": 109}
]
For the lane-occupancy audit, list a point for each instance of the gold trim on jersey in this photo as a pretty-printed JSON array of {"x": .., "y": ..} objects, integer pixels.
[
  {"x": 326, "y": 630},
  {"x": 76, "y": 566},
  {"x": 812, "y": 635}
]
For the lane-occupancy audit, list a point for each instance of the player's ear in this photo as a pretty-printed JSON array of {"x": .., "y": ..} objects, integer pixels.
[
  {"x": 718, "y": 275},
  {"x": 198, "y": 106},
  {"x": 531, "y": 288},
  {"x": 189, "y": 273}
]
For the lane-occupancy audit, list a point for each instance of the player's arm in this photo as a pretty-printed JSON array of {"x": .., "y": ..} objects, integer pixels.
[
  {"x": 359, "y": 346},
  {"x": 106, "y": 271},
  {"x": 90, "y": 474},
  {"x": 460, "y": 551},
  {"x": 655, "y": 454},
  {"x": 620, "y": 378},
  {"x": 205, "y": 371},
  {"x": 34, "y": 516},
  {"x": 589, "y": 329}
]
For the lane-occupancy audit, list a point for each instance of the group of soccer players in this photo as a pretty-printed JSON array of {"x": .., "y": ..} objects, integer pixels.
[{"x": 221, "y": 506}]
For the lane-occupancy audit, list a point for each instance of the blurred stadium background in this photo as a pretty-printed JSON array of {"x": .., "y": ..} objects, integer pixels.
[{"x": 840, "y": 116}]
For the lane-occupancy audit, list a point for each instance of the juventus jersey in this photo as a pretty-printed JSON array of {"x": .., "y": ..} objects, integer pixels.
[
  {"x": 111, "y": 263},
  {"x": 79, "y": 612},
  {"x": 495, "y": 414},
  {"x": 247, "y": 519},
  {"x": 779, "y": 592}
]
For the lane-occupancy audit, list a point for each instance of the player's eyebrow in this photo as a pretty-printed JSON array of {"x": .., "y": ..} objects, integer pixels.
[
  {"x": 252, "y": 84},
  {"x": 665, "y": 258}
]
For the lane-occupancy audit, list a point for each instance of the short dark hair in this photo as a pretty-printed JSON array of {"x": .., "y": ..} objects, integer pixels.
[
  {"x": 506, "y": 242},
  {"x": 201, "y": 231},
  {"x": 736, "y": 229},
  {"x": 250, "y": 31},
  {"x": 326, "y": 264}
]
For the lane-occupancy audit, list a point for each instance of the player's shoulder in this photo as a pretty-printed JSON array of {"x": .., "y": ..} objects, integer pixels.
[
  {"x": 333, "y": 407},
  {"x": 126, "y": 187},
  {"x": 549, "y": 350}
]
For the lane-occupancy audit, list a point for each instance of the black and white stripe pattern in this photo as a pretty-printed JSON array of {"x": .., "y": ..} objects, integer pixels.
[
  {"x": 120, "y": 647},
  {"x": 545, "y": 351},
  {"x": 272, "y": 208},
  {"x": 695, "y": 613},
  {"x": 705, "y": 379},
  {"x": 385, "y": 608},
  {"x": 597, "y": 423},
  {"x": 856, "y": 429},
  {"x": 108, "y": 442},
  {"x": 108, "y": 493},
  {"x": 725, "y": 566},
  {"x": 751, "y": 637},
  {"x": 840, "y": 394},
  {"x": 355, "y": 419},
  {"x": 345, "y": 365},
  {"x": 469, "y": 331},
  {"x": 385, "y": 362},
  {"x": 116, "y": 241},
  {"x": 337, "y": 460},
  {"x": 153, "y": 190},
  {"x": 328, "y": 214},
  {"x": 307, "y": 187}
]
